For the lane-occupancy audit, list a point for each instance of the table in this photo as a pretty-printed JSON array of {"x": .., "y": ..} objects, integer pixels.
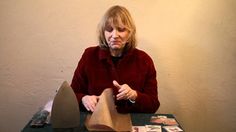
[{"x": 138, "y": 119}]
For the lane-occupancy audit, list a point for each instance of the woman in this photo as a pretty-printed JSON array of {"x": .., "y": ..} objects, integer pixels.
[{"x": 117, "y": 63}]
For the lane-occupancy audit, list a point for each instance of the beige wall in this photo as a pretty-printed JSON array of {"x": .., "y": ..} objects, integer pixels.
[{"x": 192, "y": 43}]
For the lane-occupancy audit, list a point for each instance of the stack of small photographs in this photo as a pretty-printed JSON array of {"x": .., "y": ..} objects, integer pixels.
[
  {"x": 169, "y": 124},
  {"x": 147, "y": 128}
]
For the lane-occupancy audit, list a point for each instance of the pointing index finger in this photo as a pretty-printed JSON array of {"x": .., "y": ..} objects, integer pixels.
[{"x": 116, "y": 84}]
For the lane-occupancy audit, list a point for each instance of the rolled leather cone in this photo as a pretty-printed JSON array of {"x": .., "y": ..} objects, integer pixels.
[
  {"x": 105, "y": 116},
  {"x": 65, "y": 109}
]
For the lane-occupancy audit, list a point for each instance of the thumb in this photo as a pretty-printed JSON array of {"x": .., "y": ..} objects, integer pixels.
[{"x": 116, "y": 84}]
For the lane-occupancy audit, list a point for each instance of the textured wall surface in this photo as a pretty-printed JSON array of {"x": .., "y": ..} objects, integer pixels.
[{"x": 192, "y": 44}]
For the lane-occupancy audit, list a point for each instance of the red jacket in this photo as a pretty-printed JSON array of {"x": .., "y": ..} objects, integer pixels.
[{"x": 96, "y": 71}]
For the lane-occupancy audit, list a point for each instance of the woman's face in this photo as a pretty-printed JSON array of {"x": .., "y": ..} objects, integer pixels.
[{"x": 116, "y": 37}]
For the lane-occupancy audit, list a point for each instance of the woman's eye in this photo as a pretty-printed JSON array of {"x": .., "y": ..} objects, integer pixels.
[
  {"x": 121, "y": 29},
  {"x": 109, "y": 28}
]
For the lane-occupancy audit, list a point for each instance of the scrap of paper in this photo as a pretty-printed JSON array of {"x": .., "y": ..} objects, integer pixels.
[
  {"x": 163, "y": 120},
  {"x": 172, "y": 129}
]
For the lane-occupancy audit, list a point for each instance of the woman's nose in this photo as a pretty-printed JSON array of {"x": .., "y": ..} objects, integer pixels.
[{"x": 115, "y": 33}]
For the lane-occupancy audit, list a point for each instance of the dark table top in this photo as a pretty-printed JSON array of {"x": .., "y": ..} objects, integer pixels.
[{"x": 138, "y": 119}]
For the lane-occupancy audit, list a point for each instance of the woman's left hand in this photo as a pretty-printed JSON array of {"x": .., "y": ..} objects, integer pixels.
[{"x": 125, "y": 92}]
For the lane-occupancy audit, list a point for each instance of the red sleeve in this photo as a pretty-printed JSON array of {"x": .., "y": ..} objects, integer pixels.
[
  {"x": 79, "y": 81},
  {"x": 148, "y": 98}
]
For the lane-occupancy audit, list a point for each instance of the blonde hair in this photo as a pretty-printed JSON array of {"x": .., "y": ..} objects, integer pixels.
[{"x": 116, "y": 15}]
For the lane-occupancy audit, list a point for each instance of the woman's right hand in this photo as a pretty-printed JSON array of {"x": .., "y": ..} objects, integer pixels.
[{"x": 90, "y": 102}]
